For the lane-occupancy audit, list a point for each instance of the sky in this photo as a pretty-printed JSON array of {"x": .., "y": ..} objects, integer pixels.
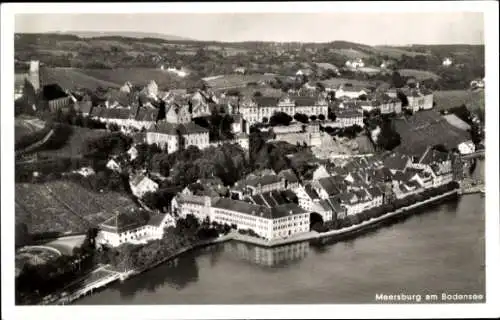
[{"x": 366, "y": 28}]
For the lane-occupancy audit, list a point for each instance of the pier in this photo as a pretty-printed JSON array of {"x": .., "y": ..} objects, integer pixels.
[{"x": 98, "y": 278}]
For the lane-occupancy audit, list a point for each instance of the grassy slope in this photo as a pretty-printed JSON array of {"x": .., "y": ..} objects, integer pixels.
[
  {"x": 473, "y": 100},
  {"x": 74, "y": 145},
  {"x": 137, "y": 76},
  {"x": 418, "y": 74},
  {"x": 71, "y": 78}
]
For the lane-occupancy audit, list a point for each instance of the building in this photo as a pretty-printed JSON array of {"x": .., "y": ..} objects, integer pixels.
[
  {"x": 349, "y": 117},
  {"x": 291, "y": 180},
  {"x": 174, "y": 137},
  {"x": 141, "y": 184},
  {"x": 133, "y": 226},
  {"x": 255, "y": 109},
  {"x": 350, "y": 91},
  {"x": 419, "y": 99},
  {"x": 240, "y": 70},
  {"x": 447, "y": 62},
  {"x": 354, "y": 64},
  {"x": 269, "y": 223},
  {"x": 196, "y": 205},
  {"x": 113, "y": 165},
  {"x": 256, "y": 185}
]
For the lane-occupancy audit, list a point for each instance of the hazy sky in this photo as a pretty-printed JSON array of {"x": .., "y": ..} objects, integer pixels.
[{"x": 368, "y": 28}]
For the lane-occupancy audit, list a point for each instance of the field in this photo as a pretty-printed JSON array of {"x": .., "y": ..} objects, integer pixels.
[
  {"x": 236, "y": 81},
  {"x": 427, "y": 128},
  {"x": 473, "y": 100},
  {"x": 396, "y": 53},
  {"x": 70, "y": 78},
  {"x": 351, "y": 53},
  {"x": 137, "y": 76},
  {"x": 266, "y": 91},
  {"x": 335, "y": 82},
  {"x": 64, "y": 206},
  {"x": 74, "y": 146},
  {"x": 420, "y": 75}
]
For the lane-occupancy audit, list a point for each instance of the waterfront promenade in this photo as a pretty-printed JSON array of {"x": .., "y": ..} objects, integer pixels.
[
  {"x": 312, "y": 235},
  {"x": 98, "y": 280}
]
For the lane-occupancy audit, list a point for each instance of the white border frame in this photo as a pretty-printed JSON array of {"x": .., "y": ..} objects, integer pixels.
[{"x": 489, "y": 309}]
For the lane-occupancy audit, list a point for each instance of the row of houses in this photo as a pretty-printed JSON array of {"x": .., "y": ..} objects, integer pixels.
[
  {"x": 260, "y": 202},
  {"x": 279, "y": 205}
]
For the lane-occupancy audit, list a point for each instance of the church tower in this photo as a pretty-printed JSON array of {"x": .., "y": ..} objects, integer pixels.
[{"x": 34, "y": 74}]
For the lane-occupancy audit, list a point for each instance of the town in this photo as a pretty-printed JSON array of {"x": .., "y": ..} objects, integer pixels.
[{"x": 140, "y": 173}]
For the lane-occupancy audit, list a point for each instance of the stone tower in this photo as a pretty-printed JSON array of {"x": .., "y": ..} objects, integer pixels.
[{"x": 34, "y": 74}]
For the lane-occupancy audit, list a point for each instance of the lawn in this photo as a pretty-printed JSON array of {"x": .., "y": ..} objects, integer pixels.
[
  {"x": 420, "y": 75},
  {"x": 473, "y": 100},
  {"x": 65, "y": 206}
]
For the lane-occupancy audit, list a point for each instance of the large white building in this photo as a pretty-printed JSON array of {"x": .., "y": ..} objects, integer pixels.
[
  {"x": 174, "y": 137},
  {"x": 269, "y": 223},
  {"x": 255, "y": 109},
  {"x": 133, "y": 227}
]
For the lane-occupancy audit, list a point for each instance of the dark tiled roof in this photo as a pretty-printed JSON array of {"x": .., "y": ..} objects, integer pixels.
[
  {"x": 289, "y": 175},
  {"x": 147, "y": 114},
  {"x": 183, "y": 128},
  {"x": 156, "y": 219},
  {"x": 304, "y": 101},
  {"x": 122, "y": 222},
  {"x": 266, "y": 101}
]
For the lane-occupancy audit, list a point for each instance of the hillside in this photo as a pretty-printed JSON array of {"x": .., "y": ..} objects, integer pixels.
[
  {"x": 70, "y": 78},
  {"x": 125, "y": 34}
]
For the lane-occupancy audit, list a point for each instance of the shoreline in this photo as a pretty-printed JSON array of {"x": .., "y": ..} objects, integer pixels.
[{"x": 309, "y": 236}]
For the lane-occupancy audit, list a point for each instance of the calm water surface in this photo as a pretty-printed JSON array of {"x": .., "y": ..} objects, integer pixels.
[{"x": 440, "y": 250}]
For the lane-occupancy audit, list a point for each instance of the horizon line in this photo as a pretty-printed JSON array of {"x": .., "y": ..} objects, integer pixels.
[{"x": 188, "y": 39}]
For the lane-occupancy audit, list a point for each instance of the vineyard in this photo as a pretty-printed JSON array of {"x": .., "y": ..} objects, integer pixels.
[{"x": 65, "y": 207}]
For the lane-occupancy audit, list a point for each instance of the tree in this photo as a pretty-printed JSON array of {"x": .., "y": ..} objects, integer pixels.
[
  {"x": 397, "y": 80},
  {"x": 280, "y": 118},
  {"x": 257, "y": 94},
  {"x": 313, "y": 118},
  {"x": 265, "y": 120},
  {"x": 301, "y": 117},
  {"x": 321, "y": 117}
]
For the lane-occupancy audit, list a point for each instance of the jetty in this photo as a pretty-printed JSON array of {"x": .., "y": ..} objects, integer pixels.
[{"x": 98, "y": 278}]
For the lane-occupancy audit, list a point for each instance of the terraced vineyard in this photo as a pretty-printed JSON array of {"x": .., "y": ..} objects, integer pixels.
[{"x": 64, "y": 206}]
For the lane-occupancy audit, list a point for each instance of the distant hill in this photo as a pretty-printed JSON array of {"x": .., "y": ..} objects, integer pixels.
[{"x": 126, "y": 34}]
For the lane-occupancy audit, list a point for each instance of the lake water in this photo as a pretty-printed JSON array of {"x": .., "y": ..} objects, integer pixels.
[{"x": 438, "y": 251}]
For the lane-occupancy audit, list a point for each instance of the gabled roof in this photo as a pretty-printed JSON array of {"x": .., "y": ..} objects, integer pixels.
[
  {"x": 262, "y": 101},
  {"x": 156, "y": 219},
  {"x": 183, "y": 128},
  {"x": 289, "y": 175},
  {"x": 125, "y": 221}
]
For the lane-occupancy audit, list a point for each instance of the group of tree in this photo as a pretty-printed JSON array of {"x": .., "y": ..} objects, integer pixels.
[
  {"x": 188, "y": 232},
  {"x": 227, "y": 161},
  {"x": 218, "y": 124},
  {"x": 350, "y": 132},
  {"x": 280, "y": 119}
]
